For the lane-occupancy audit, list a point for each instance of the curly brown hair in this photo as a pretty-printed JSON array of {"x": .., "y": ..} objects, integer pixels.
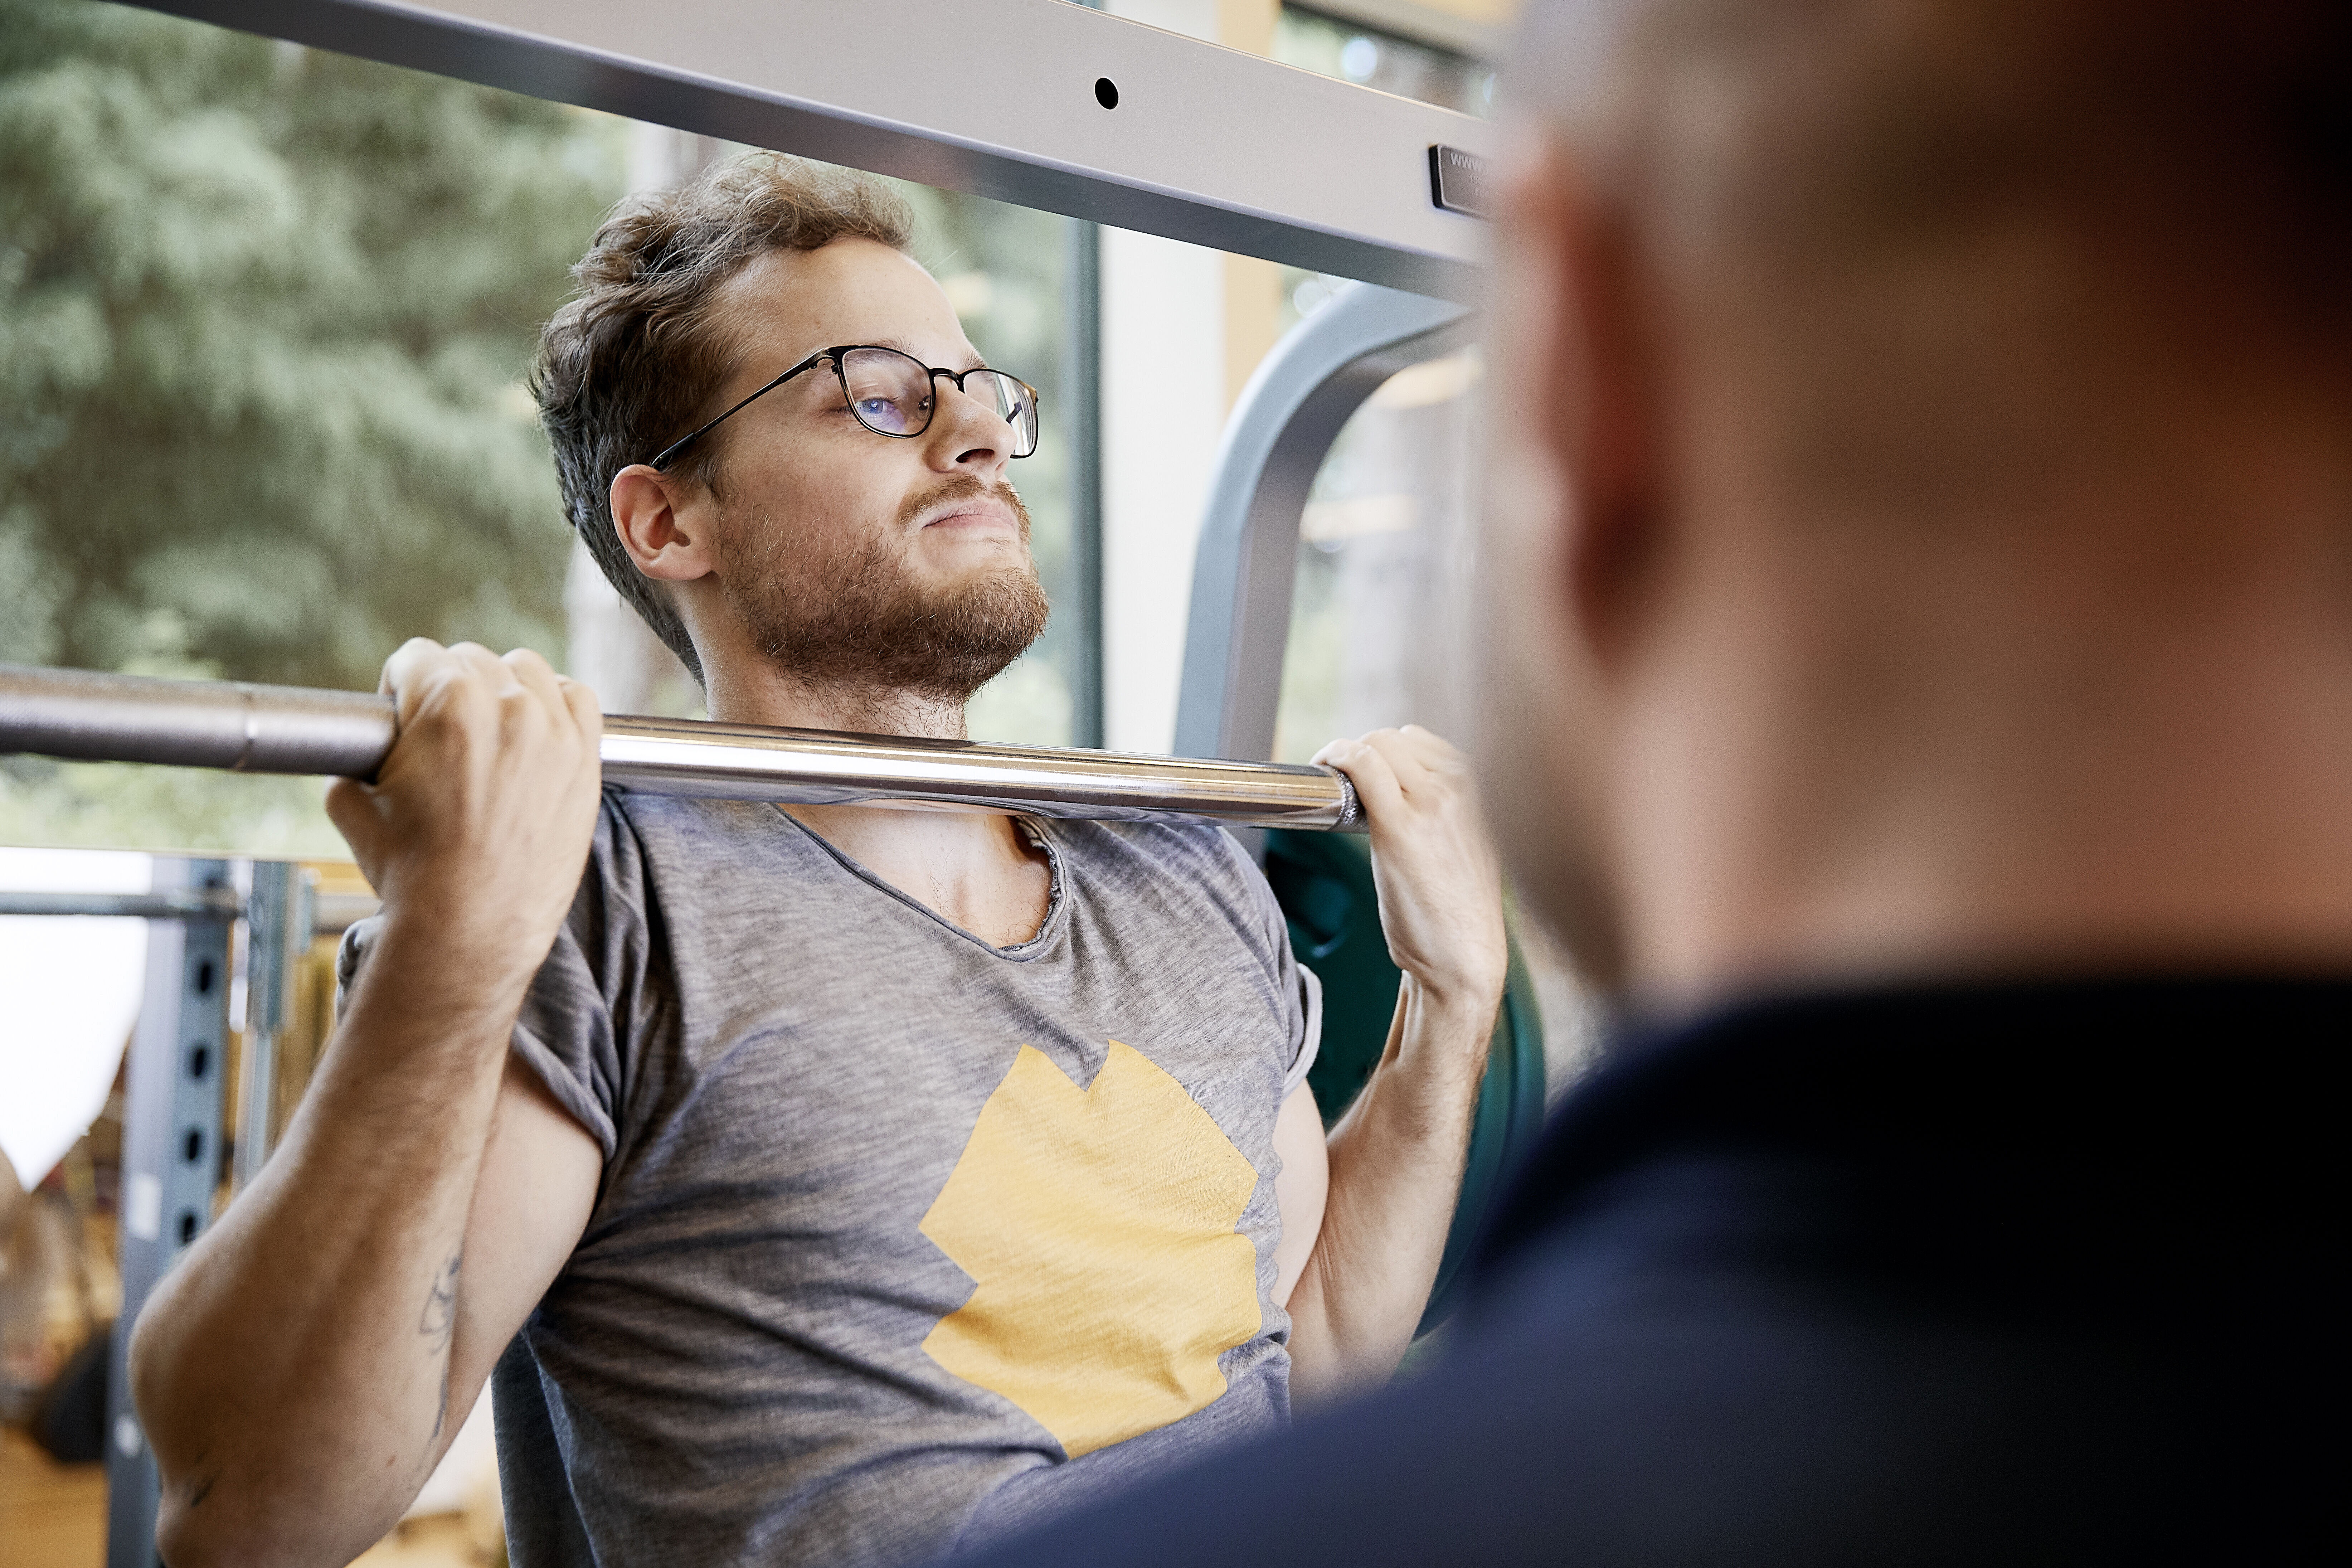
[{"x": 630, "y": 362}]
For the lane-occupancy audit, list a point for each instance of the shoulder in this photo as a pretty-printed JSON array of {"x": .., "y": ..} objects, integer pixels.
[
  {"x": 634, "y": 829},
  {"x": 653, "y": 851},
  {"x": 1199, "y": 854},
  {"x": 1196, "y": 873}
]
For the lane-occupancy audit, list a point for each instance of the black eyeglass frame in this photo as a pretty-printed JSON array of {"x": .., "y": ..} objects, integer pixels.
[{"x": 669, "y": 454}]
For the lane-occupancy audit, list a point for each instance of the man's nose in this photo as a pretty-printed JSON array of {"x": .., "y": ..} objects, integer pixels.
[{"x": 975, "y": 433}]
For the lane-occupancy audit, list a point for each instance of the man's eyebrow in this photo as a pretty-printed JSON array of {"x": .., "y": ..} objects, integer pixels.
[{"x": 978, "y": 360}]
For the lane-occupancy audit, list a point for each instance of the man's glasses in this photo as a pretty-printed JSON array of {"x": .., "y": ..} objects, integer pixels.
[{"x": 893, "y": 393}]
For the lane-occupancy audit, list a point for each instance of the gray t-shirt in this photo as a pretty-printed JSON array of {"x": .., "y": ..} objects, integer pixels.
[{"x": 903, "y": 1239}]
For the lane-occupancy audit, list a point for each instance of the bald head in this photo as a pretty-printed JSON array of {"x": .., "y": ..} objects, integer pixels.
[
  {"x": 1936, "y": 225},
  {"x": 1888, "y": 381}
]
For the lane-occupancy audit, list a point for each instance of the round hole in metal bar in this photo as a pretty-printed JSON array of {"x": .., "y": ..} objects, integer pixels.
[
  {"x": 205, "y": 977},
  {"x": 200, "y": 1061},
  {"x": 1105, "y": 92},
  {"x": 189, "y": 1223}
]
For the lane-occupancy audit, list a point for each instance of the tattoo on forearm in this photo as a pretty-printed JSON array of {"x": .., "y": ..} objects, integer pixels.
[{"x": 439, "y": 1324}]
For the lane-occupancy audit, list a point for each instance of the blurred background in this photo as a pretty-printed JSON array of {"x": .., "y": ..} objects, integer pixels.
[{"x": 265, "y": 315}]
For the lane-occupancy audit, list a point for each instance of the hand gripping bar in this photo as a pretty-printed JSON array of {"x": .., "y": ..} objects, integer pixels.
[{"x": 246, "y": 728}]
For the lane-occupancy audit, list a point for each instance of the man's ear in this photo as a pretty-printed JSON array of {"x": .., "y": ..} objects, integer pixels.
[
  {"x": 664, "y": 524},
  {"x": 1582, "y": 315},
  {"x": 1565, "y": 502}
]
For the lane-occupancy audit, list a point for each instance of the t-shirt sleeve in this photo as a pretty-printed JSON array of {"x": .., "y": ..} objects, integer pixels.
[
  {"x": 1309, "y": 992},
  {"x": 1299, "y": 987},
  {"x": 565, "y": 1032}
]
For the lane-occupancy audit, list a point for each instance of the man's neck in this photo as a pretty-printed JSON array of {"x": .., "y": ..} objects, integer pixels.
[
  {"x": 2030, "y": 771},
  {"x": 973, "y": 869},
  {"x": 764, "y": 696}
]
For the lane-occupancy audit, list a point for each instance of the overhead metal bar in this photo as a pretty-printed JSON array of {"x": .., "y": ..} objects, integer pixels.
[
  {"x": 291, "y": 729},
  {"x": 1040, "y": 102}
]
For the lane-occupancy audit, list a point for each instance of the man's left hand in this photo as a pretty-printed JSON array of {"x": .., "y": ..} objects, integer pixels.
[{"x": 1439, "y": 885}]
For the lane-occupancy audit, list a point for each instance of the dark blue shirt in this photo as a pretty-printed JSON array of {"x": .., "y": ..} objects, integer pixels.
[{"x": 2018, "y": 1274}]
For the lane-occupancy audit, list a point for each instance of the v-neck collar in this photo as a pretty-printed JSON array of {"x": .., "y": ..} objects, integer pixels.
[{"x": 1030, "y": 828}]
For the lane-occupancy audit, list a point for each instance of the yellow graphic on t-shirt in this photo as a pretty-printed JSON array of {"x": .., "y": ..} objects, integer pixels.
[{"x": 1098, "y": 1227}]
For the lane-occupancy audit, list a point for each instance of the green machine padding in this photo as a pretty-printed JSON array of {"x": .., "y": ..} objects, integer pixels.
[{"x": 1324, "y": 883}]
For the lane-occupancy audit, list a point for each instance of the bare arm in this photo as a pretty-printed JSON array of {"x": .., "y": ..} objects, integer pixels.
[
  {"x": 308, "y": 1361},
  {"x": 1395, "y": 1160},
  {"x": 1300, "y": 1189}
]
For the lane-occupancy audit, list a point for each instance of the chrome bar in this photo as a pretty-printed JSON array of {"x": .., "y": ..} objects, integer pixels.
[
  {"x": 81, "y": 715},
  {"x": 179, "y": 904},
  {"x": 291, "y": 729},
  {"x": 331, "y": 914}
]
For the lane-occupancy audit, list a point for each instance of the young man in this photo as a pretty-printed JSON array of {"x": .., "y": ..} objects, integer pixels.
[
  {"x": 825, "y": 1184},
  {"x": 1922, "y": 604}
]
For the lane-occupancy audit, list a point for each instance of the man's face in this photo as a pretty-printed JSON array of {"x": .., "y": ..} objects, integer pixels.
[{"x": 845, "y": 555}]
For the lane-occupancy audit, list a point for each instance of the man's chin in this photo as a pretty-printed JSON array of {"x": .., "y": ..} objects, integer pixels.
[
  {"x": 958, "y": 631},
  {"x": 939, "y": 619},
  {"x": 968, "y": 568},
  {"x": 948, "y": 558}
]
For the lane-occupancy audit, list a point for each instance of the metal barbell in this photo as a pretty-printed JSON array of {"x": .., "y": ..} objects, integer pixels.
[{"x": 87, "y": 716}]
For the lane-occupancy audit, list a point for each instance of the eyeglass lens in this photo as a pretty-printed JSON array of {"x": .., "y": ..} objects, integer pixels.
[{"x": 893, "y": 394}]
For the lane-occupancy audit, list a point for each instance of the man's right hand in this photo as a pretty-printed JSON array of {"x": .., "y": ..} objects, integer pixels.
[{"x": 480, "y": 818}]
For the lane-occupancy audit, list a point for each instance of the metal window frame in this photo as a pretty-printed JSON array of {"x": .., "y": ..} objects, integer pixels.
[
  {"x": 1082, "y": 398},
  {"x": 1415, "y": 22}
]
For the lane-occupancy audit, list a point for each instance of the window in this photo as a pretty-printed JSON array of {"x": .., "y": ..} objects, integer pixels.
[{"x": 265, "y": 312}]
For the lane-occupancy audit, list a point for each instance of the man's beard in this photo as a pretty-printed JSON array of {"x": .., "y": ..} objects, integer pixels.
[{"x": 861, "y": 623}]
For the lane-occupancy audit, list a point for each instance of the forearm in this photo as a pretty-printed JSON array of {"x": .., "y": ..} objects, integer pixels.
[
  {"x": 292, "y": 1371},
  {"x": 1396, "y": 1161}
]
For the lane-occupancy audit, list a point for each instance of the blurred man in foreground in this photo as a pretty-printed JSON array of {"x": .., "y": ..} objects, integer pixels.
[{"x": 1922, "y": 607}]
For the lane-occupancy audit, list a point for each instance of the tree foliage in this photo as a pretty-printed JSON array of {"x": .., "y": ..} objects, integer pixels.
[{"x": 263, "y": 315}]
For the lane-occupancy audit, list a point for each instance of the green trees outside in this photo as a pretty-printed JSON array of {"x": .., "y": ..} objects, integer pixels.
[{"x": 264, "y": 315}]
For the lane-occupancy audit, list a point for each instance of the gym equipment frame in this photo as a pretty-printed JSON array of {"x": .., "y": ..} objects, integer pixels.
[
  {"x": 210, "y": 923},
  {"x": 1282, "y": 426},
  {"x": 1083, "y": 113}
]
